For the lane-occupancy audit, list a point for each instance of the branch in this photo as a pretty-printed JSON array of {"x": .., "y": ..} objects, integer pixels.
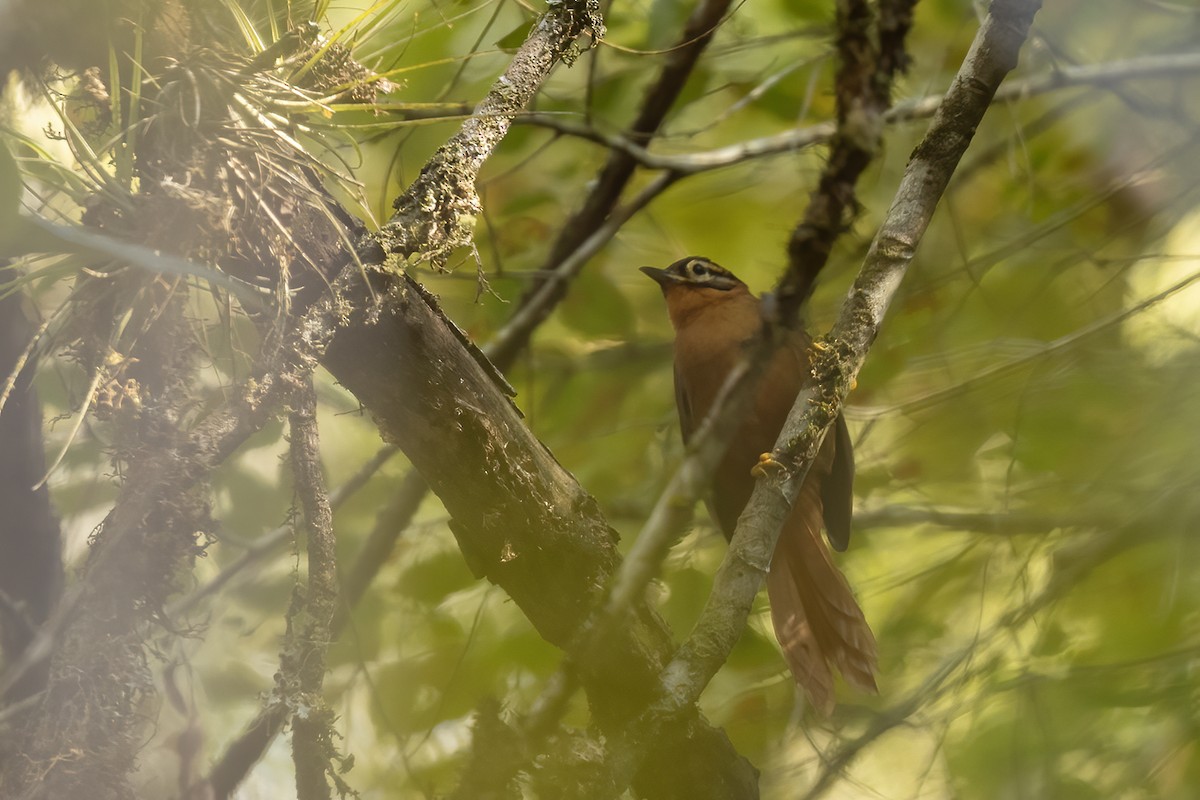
[
  {"x": 866, "y": 72},
  {"x": 309, "y": 621},
  {"x": 437, "y": 213}
]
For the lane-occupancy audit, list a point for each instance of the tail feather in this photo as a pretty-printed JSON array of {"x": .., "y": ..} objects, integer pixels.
[{"x": 817, "y": 620}]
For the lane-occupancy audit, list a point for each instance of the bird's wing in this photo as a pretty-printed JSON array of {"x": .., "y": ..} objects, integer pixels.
[
  {"x": 684, "y": 404},
  {"x": 837, "y": 488}
]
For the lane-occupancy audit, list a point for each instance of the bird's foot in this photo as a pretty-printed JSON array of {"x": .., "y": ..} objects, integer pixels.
[{"x": 766, "y": 465}]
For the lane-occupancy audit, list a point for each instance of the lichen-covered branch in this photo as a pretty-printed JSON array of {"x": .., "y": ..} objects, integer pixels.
[
  {"x": 310, "y": 618},
  {"x": 86, "y": 729},
  {"x": 437, "y": 213}
]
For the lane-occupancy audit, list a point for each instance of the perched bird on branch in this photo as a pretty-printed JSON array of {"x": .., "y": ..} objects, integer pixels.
[{"x": 817, "y": 620}]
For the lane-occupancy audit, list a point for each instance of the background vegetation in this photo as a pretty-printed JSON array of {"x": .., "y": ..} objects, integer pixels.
[{"x": 1025, "y": 423}]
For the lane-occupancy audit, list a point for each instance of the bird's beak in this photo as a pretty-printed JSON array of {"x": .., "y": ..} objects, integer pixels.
[{"x": 659, "y": 276}]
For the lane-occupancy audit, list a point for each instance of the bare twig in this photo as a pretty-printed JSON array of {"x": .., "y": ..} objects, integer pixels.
[
  {"x": 536, "y": 306},
  {"x": 998, "y": 523},
  {"x": 1044, "y": 350},
  {"x": 1062, "y": 77}
]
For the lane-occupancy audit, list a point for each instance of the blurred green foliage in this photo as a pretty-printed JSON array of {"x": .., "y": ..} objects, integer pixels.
[{"x": 1026, "y": 431}]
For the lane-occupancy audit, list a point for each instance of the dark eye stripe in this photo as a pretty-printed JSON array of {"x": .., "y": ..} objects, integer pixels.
[{"x": 703, "y": 272}]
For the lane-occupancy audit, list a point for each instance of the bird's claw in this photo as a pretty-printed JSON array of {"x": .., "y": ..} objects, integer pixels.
[{"x": 766, "y": 464}]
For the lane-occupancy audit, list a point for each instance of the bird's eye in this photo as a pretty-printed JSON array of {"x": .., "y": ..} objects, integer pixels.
[{"x": 698, "y": 269}]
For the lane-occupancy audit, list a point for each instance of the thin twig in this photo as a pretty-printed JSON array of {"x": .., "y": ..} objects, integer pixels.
[
  {"x": 1063, "y": 77},
  {"x": 534, "y": 309},
  {"x": 269, "y": 543}
]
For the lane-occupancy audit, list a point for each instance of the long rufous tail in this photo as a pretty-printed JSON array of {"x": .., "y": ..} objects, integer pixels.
[{"x": 817, "y": 620}]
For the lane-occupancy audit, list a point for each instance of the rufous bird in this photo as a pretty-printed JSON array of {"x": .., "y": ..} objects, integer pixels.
[{"x": 817, "y": 621}]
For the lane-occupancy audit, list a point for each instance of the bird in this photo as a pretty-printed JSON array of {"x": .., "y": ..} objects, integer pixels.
[{"x": 818, "y": 622}]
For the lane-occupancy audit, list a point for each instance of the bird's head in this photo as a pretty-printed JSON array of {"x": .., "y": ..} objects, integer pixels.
[{"x": 693, "y": 283}]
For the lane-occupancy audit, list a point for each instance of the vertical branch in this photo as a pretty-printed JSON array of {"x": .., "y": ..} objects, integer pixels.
[
  {"x": 246, "y": 750},
  {"x": 870, "y": 55},
  {"x": 302, "y": 671}
]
